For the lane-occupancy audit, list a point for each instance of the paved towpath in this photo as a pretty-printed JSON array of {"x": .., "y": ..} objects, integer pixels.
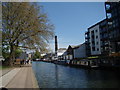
[
  {"x": 4, "y": 71},
  {"x": 20, "y": 78}
]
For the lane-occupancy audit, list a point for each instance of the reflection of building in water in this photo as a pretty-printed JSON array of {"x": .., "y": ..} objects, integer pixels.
[{"x": 56, "y": 75}]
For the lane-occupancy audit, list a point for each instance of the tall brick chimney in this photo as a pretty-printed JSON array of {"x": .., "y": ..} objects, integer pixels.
[{"x": 56, "y": 45}]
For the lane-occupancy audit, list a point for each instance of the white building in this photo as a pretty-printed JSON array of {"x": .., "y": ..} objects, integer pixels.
[
  {"x": 60, "y": 51},
  {"x": 95, "y": 46},
  {"x": 80, "y": 51},
  {"x": 64, "y": 55},
  {"x": 69, "y": 53},
  {"x": 75, "y": 52}
]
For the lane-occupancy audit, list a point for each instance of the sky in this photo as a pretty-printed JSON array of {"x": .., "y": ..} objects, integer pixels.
[{"x": 71, "y": 20}]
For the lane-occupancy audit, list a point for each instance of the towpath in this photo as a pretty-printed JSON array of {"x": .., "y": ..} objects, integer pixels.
[{"x": 22, "y": 77}]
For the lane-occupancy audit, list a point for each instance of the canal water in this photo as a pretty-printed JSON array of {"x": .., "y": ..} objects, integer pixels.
[{"x": 50, "y": 75}]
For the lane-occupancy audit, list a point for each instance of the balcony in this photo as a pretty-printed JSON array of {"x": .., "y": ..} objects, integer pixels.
[
  {"x": 108, "y": 7},
  {"x": 87, "y": 43},
  {"x": 110, "y": 28},
  {"x": 87, "y": 37},
  {"x": 87, "y": 32},
  {"x": 108, "y": 10}
]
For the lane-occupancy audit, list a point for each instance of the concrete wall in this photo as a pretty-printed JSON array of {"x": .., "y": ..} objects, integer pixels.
[
  {"x": 80, "y": 52},
  {"x": 97, "y": 44}
]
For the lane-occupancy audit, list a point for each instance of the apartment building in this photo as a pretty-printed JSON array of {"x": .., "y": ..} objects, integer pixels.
[
  {"x": 96, "y": 39},
  {"x": 87, "y": 43},
  {"x": 104, "y": 37},
  {"x": 113, "y": 20},
  {"x": 107, "y": 39}
]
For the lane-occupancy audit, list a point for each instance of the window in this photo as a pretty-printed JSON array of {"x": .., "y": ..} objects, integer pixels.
[
  {"x": 92, "y": 32},
  {"x": 93, "y": 42},
  {"x": 110, "y": 23},
  {"x": 92, "y": 36},
  {"x": 96, "y": 37},
  {"x": 107, "y": 6},
  {"x": 96, "y": 31},
  {"x": 109, "y": 15},
  {"x": 97, "y": 49},
  {"x": 97, "y": 43},
  {"x": 93, "y": 48}
]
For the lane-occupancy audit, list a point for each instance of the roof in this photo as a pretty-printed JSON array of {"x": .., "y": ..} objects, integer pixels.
[
  {"x": 77, "y": 46},
  {"x": 65, "y": 53},
  {"x": 97, "y": 23},
  {"x": 62, "y": 49},
  {"x": 73, "y": 46}
]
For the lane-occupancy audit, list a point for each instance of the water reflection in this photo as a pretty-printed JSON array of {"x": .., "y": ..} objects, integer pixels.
[
  {"x": 50, "y": 75},
  {"x": 56, "y": 75}
]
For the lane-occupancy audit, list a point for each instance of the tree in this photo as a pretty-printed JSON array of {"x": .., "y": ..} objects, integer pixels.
[
  {"x": 0, "y": 29},
  {"x": 26, "y": 26},
  {"x": 0, "y": 42},
  {"x": 37, "y": 54}
]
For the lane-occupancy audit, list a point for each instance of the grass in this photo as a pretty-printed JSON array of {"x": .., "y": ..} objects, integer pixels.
[{"x": 4, "y": 67}]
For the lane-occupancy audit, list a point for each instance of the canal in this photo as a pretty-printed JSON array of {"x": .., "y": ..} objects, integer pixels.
[{"x": 50, "y": 75}]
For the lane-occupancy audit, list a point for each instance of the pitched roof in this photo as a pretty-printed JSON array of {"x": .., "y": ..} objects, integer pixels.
[
  {"x": 62, "y": 49},
  {"x": 77, "y": 46}
]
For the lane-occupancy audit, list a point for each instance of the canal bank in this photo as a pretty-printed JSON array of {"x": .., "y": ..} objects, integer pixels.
[
  {"x": 86, "y": 64},
  {"x": 22, "y": 77}
]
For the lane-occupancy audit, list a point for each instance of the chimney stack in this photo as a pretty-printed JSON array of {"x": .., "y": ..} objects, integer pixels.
[{"x": 56, "y": 45}]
